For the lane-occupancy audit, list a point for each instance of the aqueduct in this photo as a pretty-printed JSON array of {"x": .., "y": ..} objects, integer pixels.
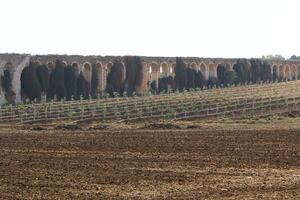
[{"x": 153, "y": 67}]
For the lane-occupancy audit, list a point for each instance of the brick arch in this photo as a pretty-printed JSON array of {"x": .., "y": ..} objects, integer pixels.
[
  {"x": 164, "y": 69},
  {"x": 194, "y": 66},
  {"x": 172, "y": 68},
  {"x": 154, "y": 75},
  {"x": 212, "y": 70},
  {"x": 50, "y": 65},
  {"x": 294, "y": 74},
  {"x": 204, "y": 70},
  {"x": 87, "y": 71},
  {"x": 288, "y": 72}
]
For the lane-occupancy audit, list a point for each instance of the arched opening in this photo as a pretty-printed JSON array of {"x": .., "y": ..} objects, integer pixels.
[
  {"x": 154, "y": 75},
  {"x": 228, "y": 66},
  {"x": 108, "y": 67},
  {"x": 75, "y": 65},
  {"x": 204, "y": 70},
  {"x": 194, "y": 66},
  {"x": 87, "y": 71},
  {"x": 164, "y": 69},
  {"x": 172, "y": 69},
  {"x": 6, "y": 84},
  {"x": 64, "y": 64},
  {"x": 50, "y": 66},
  {"x": 212, "y": 70}
]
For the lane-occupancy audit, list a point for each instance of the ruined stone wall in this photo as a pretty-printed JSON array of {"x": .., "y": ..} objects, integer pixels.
[{"x": 153, "y": 67}]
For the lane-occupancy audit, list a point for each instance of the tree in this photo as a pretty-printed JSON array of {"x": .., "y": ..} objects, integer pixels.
[
  {"x": 83, "y": 87},
  {"x": 221, "y": 73},
  {"x": 70, "y": 79},
  {"x": 6, "y": 83},
  {"x": 57, "y": 81},
  {"x": 134, "y": 73},
  {"x": 255, "y": 70},
  {"x": 180, "y": 74},
  {"x": 199, "y": 80},
  {"x": 265, "y": 72},
  {"x": 115, "y": 82},
  {"x": 190, "y": 83},
  {"x": 94, "y": 81},
  {"x": 29, "y": 82},
  {"x": 242, "y": 70},
  {"x": 43, "y": 77}
]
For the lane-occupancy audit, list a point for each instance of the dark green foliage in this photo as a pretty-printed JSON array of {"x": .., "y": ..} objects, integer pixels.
[
  {"x": 265, "y": 71},
  {"x": 30, "y": 83},
  {"x": 70, "y": 79},
  {"x": 6, "y": 82},
  {"x": 43, "y": 77},
  {"x": 294, "y": 57},
  {"x": 199, "y": 80},
  {"x": 134, "y": 73},
  {"x": 180, "y": 74},
  {"x": 115, "y": 81},
  {"x": 255, "y": 70},
  {"x": 190, "y": 83},
  {"x": 212, "y": 82},
  {"x": 94, "y": 81},
  {"x": 83, "y": 87},
  {"x": 242, "y": 70},
  {"x": 221, "y": 74},
  {"x": 229, "y": 77},
  {"x": 153, "y": 87},
  {"x": 166, "y": 83},
  {"x": 57, "y": 82}
]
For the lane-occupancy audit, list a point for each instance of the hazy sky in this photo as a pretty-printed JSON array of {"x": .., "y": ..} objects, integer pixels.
[{"x": 202, "y": 28}]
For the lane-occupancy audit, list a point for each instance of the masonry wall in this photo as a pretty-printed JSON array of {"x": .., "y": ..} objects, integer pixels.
[{"x": 153, "y": 67}]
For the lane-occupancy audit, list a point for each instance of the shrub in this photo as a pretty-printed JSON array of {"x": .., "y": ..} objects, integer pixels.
[{"x": 29, "y": 82}]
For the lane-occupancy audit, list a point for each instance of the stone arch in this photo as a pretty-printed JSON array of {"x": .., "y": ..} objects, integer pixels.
[
  {"x": 194, "y": 66},
  {"x": 87, "y": 71},
  {"x": 50, "y": 66},
  {"x": 228, "y": 66},
  {"x": 212, "y": 70},
  {"x": 75, "y": 65},
  {"x": 108, "y": 67},
  {"x": 204, "y": 71},
  {"x": 287, "y": 72},
  {"x": 154, "y": 75},
  {"x": 294, "y": 74},
  {"x": 172, "y": 68},
  {"x": 164, "y": 69},
  {"x": 65, "y": 63}
]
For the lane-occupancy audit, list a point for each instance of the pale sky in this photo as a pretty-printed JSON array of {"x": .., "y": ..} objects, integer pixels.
[{"x": 200, "y": 28}]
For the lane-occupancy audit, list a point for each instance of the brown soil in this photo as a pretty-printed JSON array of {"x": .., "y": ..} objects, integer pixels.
[{"x": 150, "y": 164}]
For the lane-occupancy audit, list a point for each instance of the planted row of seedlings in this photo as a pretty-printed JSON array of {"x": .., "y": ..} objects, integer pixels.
[{"x": 175, "y": 105}]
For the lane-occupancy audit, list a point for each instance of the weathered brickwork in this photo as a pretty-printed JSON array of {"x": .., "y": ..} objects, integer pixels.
[{"x": 153, "y": 67}]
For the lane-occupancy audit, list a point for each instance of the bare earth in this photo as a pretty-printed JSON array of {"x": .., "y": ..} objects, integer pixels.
[{"x": 150, "y": 164}]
